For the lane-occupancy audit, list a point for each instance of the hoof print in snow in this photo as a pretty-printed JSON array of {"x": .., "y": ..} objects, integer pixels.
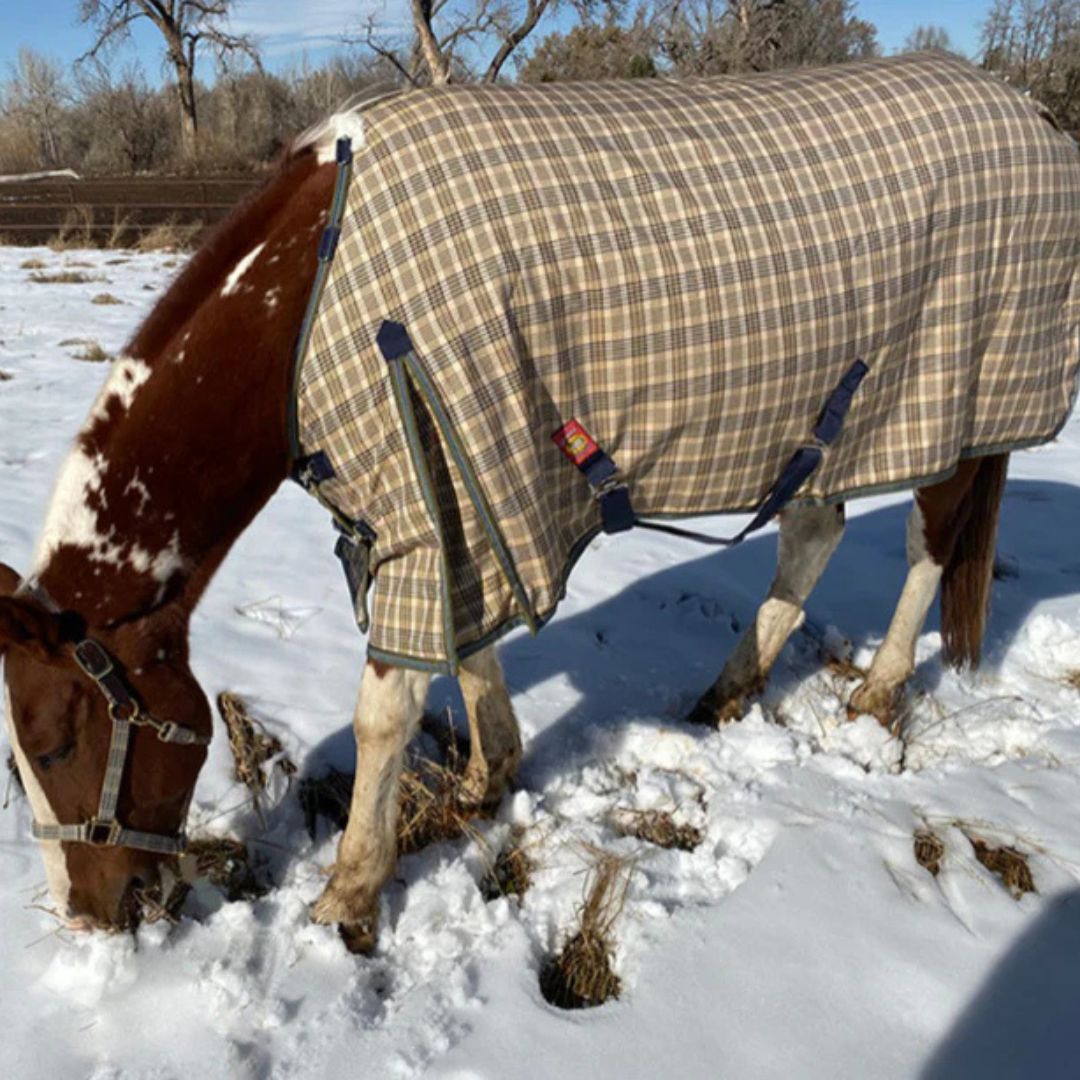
[
  {"x": 511, "y": 872},
  {"x": 1007, "y": 864},
  {"x": 929, "y": 851},
  {"x": 580, "y": 975},
  {"x": 657, "y": 827}
]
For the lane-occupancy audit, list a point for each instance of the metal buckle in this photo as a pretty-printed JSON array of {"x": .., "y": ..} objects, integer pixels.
[
  {"x": 93, "y": 659},
  {"x": 102, "y": 833}
]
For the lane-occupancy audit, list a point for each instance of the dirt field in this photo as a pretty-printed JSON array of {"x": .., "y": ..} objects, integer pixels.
[{"x": 117, "y": 210}]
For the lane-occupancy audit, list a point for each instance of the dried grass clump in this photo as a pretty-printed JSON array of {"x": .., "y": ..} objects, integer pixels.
[
  {"x": 580, "y": 975},
  {"x": 105, "y": 298},
  {"x": 1072, "y": 679},
  {"x": 511, "y": 872},
  {"x": 1008, "y": 864},
  {"x": 226, "y": 863},
  {"x": 657, "y": 827},
  {"x": 252, "y": 746},
  {"x": 61, "y": 277},
  {"x": 33, "y": 264},
  {"x": 5, "y": 376},
  {"x": 169, "y": 236},
  {"x": 76, "y": 231},
  {"x": 929, "y": 850},
  {"x": 431, "y": 807},
  {"x": 93, "y": 353}
]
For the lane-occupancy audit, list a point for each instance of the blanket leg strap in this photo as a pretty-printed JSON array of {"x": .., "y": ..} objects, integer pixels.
[{"x": 617, "y": 513}]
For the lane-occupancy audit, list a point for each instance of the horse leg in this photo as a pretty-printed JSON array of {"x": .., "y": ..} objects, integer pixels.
[
  {"x": 494, "y": 739},
  {"x": 388, "y": 711},
  {"x": 808, "y": 537},
  {"x": 942, "y": 516}
]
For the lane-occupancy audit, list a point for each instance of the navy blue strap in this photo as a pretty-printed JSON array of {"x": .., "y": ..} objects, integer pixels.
[{"x": 617, "y": 513}]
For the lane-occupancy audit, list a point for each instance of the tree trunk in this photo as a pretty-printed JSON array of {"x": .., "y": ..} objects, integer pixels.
[
  {"x": 437, "y": 63},
  {"x": 189, "y": 121}
]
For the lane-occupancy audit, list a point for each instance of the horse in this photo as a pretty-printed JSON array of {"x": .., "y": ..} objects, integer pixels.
[{"x": 186, "y": 442}]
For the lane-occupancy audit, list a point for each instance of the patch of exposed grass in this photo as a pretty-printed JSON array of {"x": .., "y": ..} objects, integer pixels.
[
  {"x": 63, "y": 277},
  {"x": 657, "y": 827},
  {"x": 580, "y": 975},
  {"x": 1072, "y": 678},
  {"x": 1006, "y": 863},
  {"x": 88, "y": 350},
  {"x": 169, "y": 236},
  {"x": 929, "y": 850},
  {"x": 511, "y": 872},
  {"x": 33, "y": 264},
  {"x": 105, "y": 298}
]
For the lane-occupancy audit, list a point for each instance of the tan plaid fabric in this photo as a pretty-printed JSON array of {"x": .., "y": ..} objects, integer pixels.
[{"x": 687, "y": 268}]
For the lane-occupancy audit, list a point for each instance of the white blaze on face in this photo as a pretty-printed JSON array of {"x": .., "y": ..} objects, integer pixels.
[
  {"x": 56, "y": 871},
  {"x": 232, "y": 282}
]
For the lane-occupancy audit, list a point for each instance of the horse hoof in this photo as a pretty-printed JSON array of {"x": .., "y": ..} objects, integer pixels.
[
  {"x": 359, "y": 938},
  {"x": 715, "y": 711},
  {"x": 882, "y": 706}
]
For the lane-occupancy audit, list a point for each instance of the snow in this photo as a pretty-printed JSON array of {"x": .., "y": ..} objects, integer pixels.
[{"x": 800, "y": 939}]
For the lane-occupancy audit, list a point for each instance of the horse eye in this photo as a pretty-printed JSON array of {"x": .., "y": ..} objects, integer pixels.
[{"x": 47, "y": 761}]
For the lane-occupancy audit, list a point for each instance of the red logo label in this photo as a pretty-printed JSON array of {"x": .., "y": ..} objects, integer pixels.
[{"x": 575, "y": 442}]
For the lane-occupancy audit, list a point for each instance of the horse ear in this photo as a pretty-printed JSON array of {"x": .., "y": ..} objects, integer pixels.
[
  {"x": 26, "y": 626},
  {"x": 9, "y": 580}
]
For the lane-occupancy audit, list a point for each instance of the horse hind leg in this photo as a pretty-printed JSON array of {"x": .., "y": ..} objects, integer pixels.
[
  {"x": 950, "y": 541},
  {"x": 494, "y": 738},
  {"x": 388, "y": 711},
  {"x": 808, "y": 538}
]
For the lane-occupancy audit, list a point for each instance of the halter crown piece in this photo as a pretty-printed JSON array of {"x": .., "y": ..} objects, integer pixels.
[{"x": 125, "y": 711}]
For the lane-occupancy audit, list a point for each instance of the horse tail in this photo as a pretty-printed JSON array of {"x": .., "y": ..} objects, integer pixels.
[{"x": 967, "y": 577}]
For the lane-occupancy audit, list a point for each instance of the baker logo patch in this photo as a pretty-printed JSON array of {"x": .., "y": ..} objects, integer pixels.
[{"x": 575, "y": 442}]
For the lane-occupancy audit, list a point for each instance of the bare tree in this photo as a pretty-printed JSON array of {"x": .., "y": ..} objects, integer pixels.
[
  {"x": 447, "y": 38},
  {"x": 35, "y": 98},
  {"x": 928, "y": 37},
  {"x": 188, "y": 27}
]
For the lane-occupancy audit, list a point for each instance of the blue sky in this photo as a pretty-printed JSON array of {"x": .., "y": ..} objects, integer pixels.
[{"x": 289, "y": 28}]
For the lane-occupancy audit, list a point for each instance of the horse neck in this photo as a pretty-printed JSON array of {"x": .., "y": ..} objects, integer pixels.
[{"x": 188, "y": 439}]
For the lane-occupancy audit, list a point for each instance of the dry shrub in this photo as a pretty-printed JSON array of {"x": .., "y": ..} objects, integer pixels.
[
  {"x": 657, "y": 827},
  {"x": 253, "y": 747},
  {"x": 1008, "y": 864},
  {"x": 76, "y": 230},
  {"x": 169, "y": 236},
  {"x": 62, "y": 277},
  {"x": 511, "y": 872},
  {"x": 929, "y": 850},
  {"x": 32, "y": 264},
  {"x": 105, "y": 298},
  {"x": 580, "y": 975}
]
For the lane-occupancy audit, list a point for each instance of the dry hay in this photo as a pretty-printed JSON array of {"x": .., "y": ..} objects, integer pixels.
[
  {"x": 580, "y": 975},
  {"x": 252, "y": 746},
  {"x": 105, "y": 298},
  {"x": 93, "y": 353},
  {"x": 432, "y": 803},
  {"x": 33, "y": 264},
  {"x": 657, "y": 827},
  {"x": 227, "y": 863},
  {"x": 1008, "y": 864},
  {"x": 929, "y": 850},
  {"x": 511, "y": 872}
]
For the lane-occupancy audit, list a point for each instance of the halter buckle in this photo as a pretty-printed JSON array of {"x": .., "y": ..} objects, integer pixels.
[
  {"x": 93, "y": 659},
  {"x": 102, "y": 833}
]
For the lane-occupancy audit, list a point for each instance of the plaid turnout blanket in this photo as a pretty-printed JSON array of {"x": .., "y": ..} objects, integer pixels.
[{"x": 686, "y": 269}]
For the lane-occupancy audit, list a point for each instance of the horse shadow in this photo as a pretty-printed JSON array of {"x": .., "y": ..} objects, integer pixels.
[
  {"x": 647, "y": 652},
  {"x": 1023, "y": 1021}
]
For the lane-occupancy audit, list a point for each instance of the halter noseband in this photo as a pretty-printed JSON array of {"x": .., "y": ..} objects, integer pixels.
[{"x": 125, "y": 711}]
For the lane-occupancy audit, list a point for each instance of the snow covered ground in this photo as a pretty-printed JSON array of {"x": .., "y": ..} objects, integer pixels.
[{"x": 800, "y": 939}]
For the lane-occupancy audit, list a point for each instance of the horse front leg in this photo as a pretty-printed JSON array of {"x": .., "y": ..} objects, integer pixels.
[
  {"x": 388, "y": 711},
  {"x": 494, "y": 737},
  {"x": 808, "y": 537}
]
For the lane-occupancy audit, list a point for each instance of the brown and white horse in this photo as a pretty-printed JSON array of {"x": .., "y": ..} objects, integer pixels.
[{"x": 184, "y": 446}]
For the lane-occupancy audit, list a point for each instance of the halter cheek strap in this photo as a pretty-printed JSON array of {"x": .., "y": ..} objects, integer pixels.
[{"x": 103, "y": 829}]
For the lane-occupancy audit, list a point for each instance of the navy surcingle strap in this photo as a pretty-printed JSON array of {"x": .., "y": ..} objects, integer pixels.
[{"x": 617, "y": 513}]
